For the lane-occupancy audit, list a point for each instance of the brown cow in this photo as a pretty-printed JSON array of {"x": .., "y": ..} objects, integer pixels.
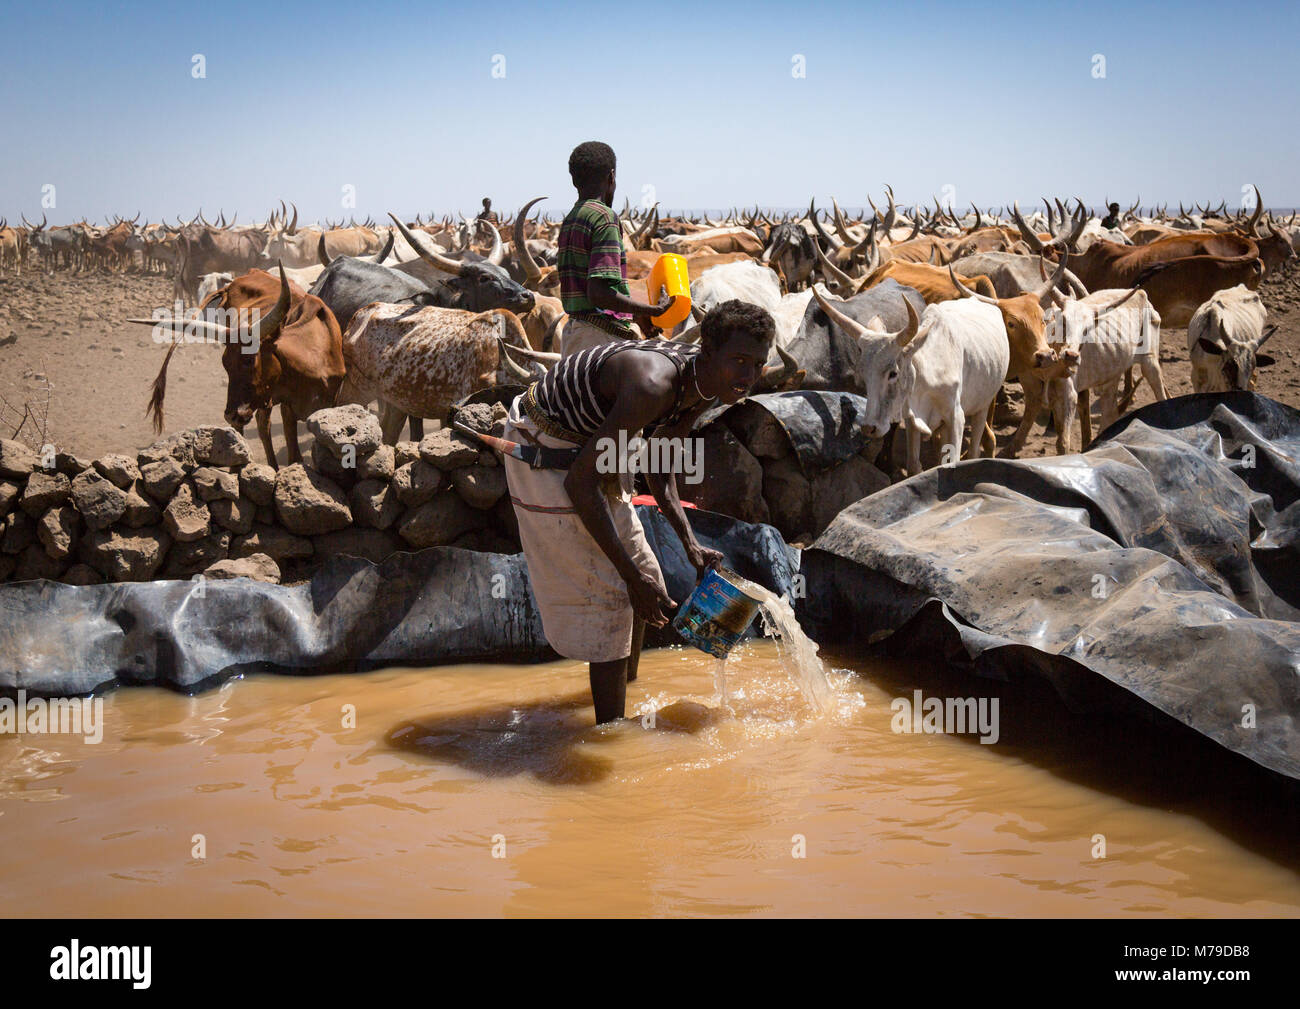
[
  {"x": 932, "y": 282},
  {"x": 296, "y": 359}
]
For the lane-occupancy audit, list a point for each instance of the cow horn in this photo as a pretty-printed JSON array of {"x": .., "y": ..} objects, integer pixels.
[
  {"x": 840, "y": 226},
  {"x": 522, "y": 253},
  {"x": 385, "y": 251},
  {"x": 966, "y": 292},
  {"x": 978, "y": 221},
  {"x": 498, "y": 252},
  {"x": 268, "y": 325},
  {"x": 511, "y": 365},
  {"x": 1123, "y": 298},
  {"x": 434, "y": 259},
  {"x": 778, "y": 374},
  {"x": 636, "y": 237},
  {"x": 543, "y": 356},
  {"x": 830, "y": 240},
  {"x": 233, "y": 220},
  {"x": 1252, "y": 225},
  {"x": 1030, "y": 238},
  {"x": 293, "y": 226},
  {"x": 1044, "y": 292},
  {"x": 833, "y": 273},
  {"x": 321, "y": 254}
]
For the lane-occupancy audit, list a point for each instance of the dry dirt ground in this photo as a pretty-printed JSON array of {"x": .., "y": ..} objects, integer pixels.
[{"x": 83, "y": 375}]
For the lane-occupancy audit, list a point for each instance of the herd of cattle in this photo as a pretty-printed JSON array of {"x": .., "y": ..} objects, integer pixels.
[{"x": 924, "y": 313}]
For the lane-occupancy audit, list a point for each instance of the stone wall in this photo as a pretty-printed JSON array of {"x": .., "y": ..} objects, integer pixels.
[{"x": 195, "y": 503}]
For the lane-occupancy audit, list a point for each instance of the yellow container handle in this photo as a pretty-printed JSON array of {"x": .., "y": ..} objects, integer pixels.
[{"x": 670, "y": 274}]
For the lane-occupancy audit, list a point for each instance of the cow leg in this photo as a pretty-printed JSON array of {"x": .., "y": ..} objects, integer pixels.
[
  {"x": 391, "y": 421},
  {"x": 289, "y": 421},
  {"x": 1109, "y": 396},
  {"x": 264, "y": 432},
  {"x": 953, "y": 436},
  {"x": 1085, "y": 418},
  {"x": 978, "y": 426},
  {"x": 417, "y": 427},
  {"x": 1033, "y": 404},
  {"x": 913, "y": 447},
  {"x": 1155, "y": 378}
]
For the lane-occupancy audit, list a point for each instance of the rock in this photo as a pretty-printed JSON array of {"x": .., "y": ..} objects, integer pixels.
[
  {"x": 18, "y": 534},
  {"x": 123, "y": 557},
  {"x": 187, "y": 559},
  {"x": 185, "y": 518},
  {"x": 45, "y": 491},
  {"x": 100, "y": 502},
  {"x": 140, "y": 511},
  {"x": 308, "y": 503},
  {"x": 70, "y": 465},
  {"x": 486, "y": 457},
  {"x": 218, "y": 445},
  {"x": 257, "y": 483},
  {"x": 16, "y": 459},
  {"x": 374, "y": 504},
  {"x": 161, "y": 478},
  {"x": 417, "y": 482},
  {"x": 404, "y": 452},
  {"x": 35, "y": 562},
  {"x": 213, "y": 484},
  {"x": 178, "y": 446},
  {"x": 237, "y": 515},
  {"x": 440, "y": 521},
  {"x": 8, "y": 563},
  {"x": 477, "y": 417},
  {"x": 325, "y": 464},
  {"x": 10, "y": 492},
  {"x": 448, "y": 449},
  {"x": 840, "y": 486},
  {"x": 379, "y": 466},
  {"x": 480, "y": 486},
  {"x": 258, "y": 567},
  {"x": 265, "y": 514},
  {"x": 340, "y": 426},
  {"x": 57, "y": 530},
  {"x": 273, "y": 541},
  {"x": 789, "y": 497},
  {"x": 82, "y": 574},
  {"x": 121, "y": 470},
  {"x": 732, "y": 478},
  {"x": 372, "y": 544},
  {"x": 759, "y": 432}
]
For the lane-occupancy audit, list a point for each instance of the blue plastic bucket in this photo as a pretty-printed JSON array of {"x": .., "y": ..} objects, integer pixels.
[{"x": 716, "y": 614}]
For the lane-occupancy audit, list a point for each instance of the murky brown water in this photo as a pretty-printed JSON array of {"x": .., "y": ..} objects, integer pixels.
[{"x": 695, "y": 816}]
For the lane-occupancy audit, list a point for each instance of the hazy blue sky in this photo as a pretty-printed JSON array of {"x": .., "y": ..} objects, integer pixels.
[{"x": 698, "y": 100}]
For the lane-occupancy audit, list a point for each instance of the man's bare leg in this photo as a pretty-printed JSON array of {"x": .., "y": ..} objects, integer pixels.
[
  {"x": 638, "y": 639},
  {"x": 609, "y": 689}
]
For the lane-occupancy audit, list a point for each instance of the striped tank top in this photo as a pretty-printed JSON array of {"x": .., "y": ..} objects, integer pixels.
[{"x": 567, "y": 403}]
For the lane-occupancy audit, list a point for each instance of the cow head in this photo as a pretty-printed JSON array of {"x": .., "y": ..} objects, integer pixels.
[
  {"x": 884, "y": 364},
  {"x": 475, "y": 287},
  {"x": 1236, "y": 360},
  {"x": 1023, "y": 317},
  {"x": 252, "y": 375}
]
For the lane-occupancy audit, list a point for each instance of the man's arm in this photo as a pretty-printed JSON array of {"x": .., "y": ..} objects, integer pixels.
[
  {"x": 636, "y": 405},
  {"x": 601, "y": 293},
  {"x": 664, "y": 487}
]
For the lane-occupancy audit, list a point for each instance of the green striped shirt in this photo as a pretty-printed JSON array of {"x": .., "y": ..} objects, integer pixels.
[{"x": 591, "y": 245}]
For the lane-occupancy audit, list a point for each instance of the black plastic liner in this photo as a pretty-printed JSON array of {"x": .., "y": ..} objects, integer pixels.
[
  {"x": 1163, "y": 560},
  {"x": 825, "y": 428},
  {"x": 434, "y": 606}
]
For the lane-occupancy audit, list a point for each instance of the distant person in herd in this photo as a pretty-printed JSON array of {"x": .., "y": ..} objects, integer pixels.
[
  {"x": 487, "y": 214},
  {"x": 596, "y": 580},
  {"x": 1111, "y": 220}
]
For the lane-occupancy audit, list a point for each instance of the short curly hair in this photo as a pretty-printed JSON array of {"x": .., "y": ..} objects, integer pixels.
[
  {"x": 590, "y": 163},
  {"x": 731, "y": 317}
]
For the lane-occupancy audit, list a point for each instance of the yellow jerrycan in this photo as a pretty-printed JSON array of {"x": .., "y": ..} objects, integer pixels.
[{"x": 669, "y": 274}]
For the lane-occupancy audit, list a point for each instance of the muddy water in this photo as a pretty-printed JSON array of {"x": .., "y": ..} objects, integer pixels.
[{"x": 696, "y": 811}]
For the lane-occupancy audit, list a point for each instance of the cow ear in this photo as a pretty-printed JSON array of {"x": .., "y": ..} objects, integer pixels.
[
  {"x": 1208, "y": 346},
  {"x": 1264, "y": 360}
]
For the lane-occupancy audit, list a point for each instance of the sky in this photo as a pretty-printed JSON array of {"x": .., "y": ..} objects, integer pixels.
[{"x": 419, "y": 107}]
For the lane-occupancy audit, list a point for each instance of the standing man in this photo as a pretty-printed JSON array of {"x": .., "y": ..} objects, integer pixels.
[
  {"x": 592, "y": 261},
  {"x": 595, "y": 578},
  {"x": 1111, "y": 220},
  {"x": 487, "y": 214}
]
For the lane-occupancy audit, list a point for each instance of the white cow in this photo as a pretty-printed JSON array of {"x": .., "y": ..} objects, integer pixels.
[
  {"x": 744, "y": 280},
  {"x": 940, "y": 370},
  {"x": 1222, "y": 340},
  {"x": 1112, "y": 330}
]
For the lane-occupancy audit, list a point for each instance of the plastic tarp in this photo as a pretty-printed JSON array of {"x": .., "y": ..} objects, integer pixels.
[
  {"x": 434, "y": 606},
  {"x": 825, "y": 428},
  {"x": 1162, "y": 562}
]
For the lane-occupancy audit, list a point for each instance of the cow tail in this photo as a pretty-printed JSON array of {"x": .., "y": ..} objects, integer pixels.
[{"x": 160, "y": 390}]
